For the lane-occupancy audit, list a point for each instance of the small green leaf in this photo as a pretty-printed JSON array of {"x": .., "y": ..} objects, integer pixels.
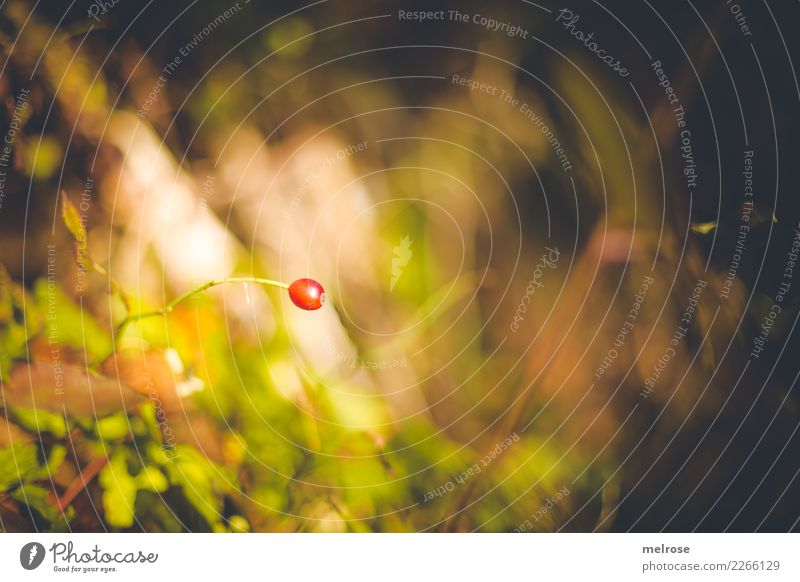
[
  {"x": 71, "y": 325},
  {"x": 20, "y": 463},
  {"x": 197, "y": 477},
  {"x": 57, "y": 455},
  {"x": 17, "y": 463},
  {"x": 71, "y": 218},
  {"x": 703, "y": 227},
  {"x": 147, "y": 411},
  {"x": 80, "y": 249},
  {"x": 41, "y": 421},
  {"x": 151, "y": 479},
  {"x": 19, "y": 322},
  {"x": 42, "y": 160},
  {"x": 238, "y": 523},
  {"x": 119, "y": 491},
  {"x": 113, "y": 428},
  {"x": 37, "y": 498},
  {"x": 156, "y": 453},
  {"x": 74, "y": 223}
]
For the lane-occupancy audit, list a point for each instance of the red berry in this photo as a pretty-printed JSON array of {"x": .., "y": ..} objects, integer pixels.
[{"x": 307, "y": 294}]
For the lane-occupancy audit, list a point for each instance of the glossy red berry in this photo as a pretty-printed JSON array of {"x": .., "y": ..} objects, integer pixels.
[{"x": 307, "y": 294}]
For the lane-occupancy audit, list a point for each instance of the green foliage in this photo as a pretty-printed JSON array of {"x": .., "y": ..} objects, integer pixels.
[
  {"x": 17, "y": 462},
  {"x": 73, "y": 326},
  {"x": 37, "y": 498},
  {"x": 18, "y": 322},
  {"x": 72, "y": 220},
  {"x": 119, "y": 491},
  {"x": 113, "y": 428},
  {"x": 83, "y": 257},
  {"x": 23, "y": 463},
  {"x": 120, "y": 487},
  {"x": 41, "y": 421},
  {"x": 43, "y": 157},
  {"x": 264, "y": 448},
  {"x": 248, "y": 453},
  {"x": 200, "y": 482}
]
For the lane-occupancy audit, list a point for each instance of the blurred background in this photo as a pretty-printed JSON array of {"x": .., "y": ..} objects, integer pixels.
[{"x": 541, "y": 303}]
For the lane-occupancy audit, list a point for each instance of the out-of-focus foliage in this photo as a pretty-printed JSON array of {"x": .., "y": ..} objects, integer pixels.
[
  {"x": 286, "y": 146},
  {"x": 228, "y": 459},
  {"x": 232, "y": 413}
]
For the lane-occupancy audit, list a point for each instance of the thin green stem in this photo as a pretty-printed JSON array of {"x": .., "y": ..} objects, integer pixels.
[{"x": 192, "y": 293}]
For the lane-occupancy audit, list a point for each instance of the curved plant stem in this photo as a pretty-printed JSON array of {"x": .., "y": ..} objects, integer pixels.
[{"x": 191, "y": 293}]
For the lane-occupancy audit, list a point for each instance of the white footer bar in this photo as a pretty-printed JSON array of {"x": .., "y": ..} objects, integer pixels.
[{"x": 390, "y": 557}]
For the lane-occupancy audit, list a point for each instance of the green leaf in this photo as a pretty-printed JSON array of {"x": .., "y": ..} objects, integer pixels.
[
  {"x": 40, "y": 421},
  {"x": 42, "y": 161},
  {"x": 147, "y": 411},
  {"x": 703, "y": 227},
  {"x": 57, "y": 455},
  {"x": 156, "y": 453},
  {"x": 75, "y": 226},
  {"x": 20, "y": 463},
  {"x": 196, "y": 476},
  {"x": 151, "y": 479},
  {"x": 238, "y": 524},
  {"x": 70, "y": 324},
  {"x": 120, "y": 488},
  {"x": 119, "y": 491},
  {"x": 37, "y": 498},
  {"x": 19, "y": 321},
  {"x": 80, "y": 250},
  {"x": 17, "y": 463},
  {"x": 71, "y": 218},
  {"x": 198, "y": 491},
  {"x": 113, "y": 428}
]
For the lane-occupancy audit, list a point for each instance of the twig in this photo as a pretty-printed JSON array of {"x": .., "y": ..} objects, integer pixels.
[
  {"x": 191, "y": 293},
  {"x": 79, "y": 483}
]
